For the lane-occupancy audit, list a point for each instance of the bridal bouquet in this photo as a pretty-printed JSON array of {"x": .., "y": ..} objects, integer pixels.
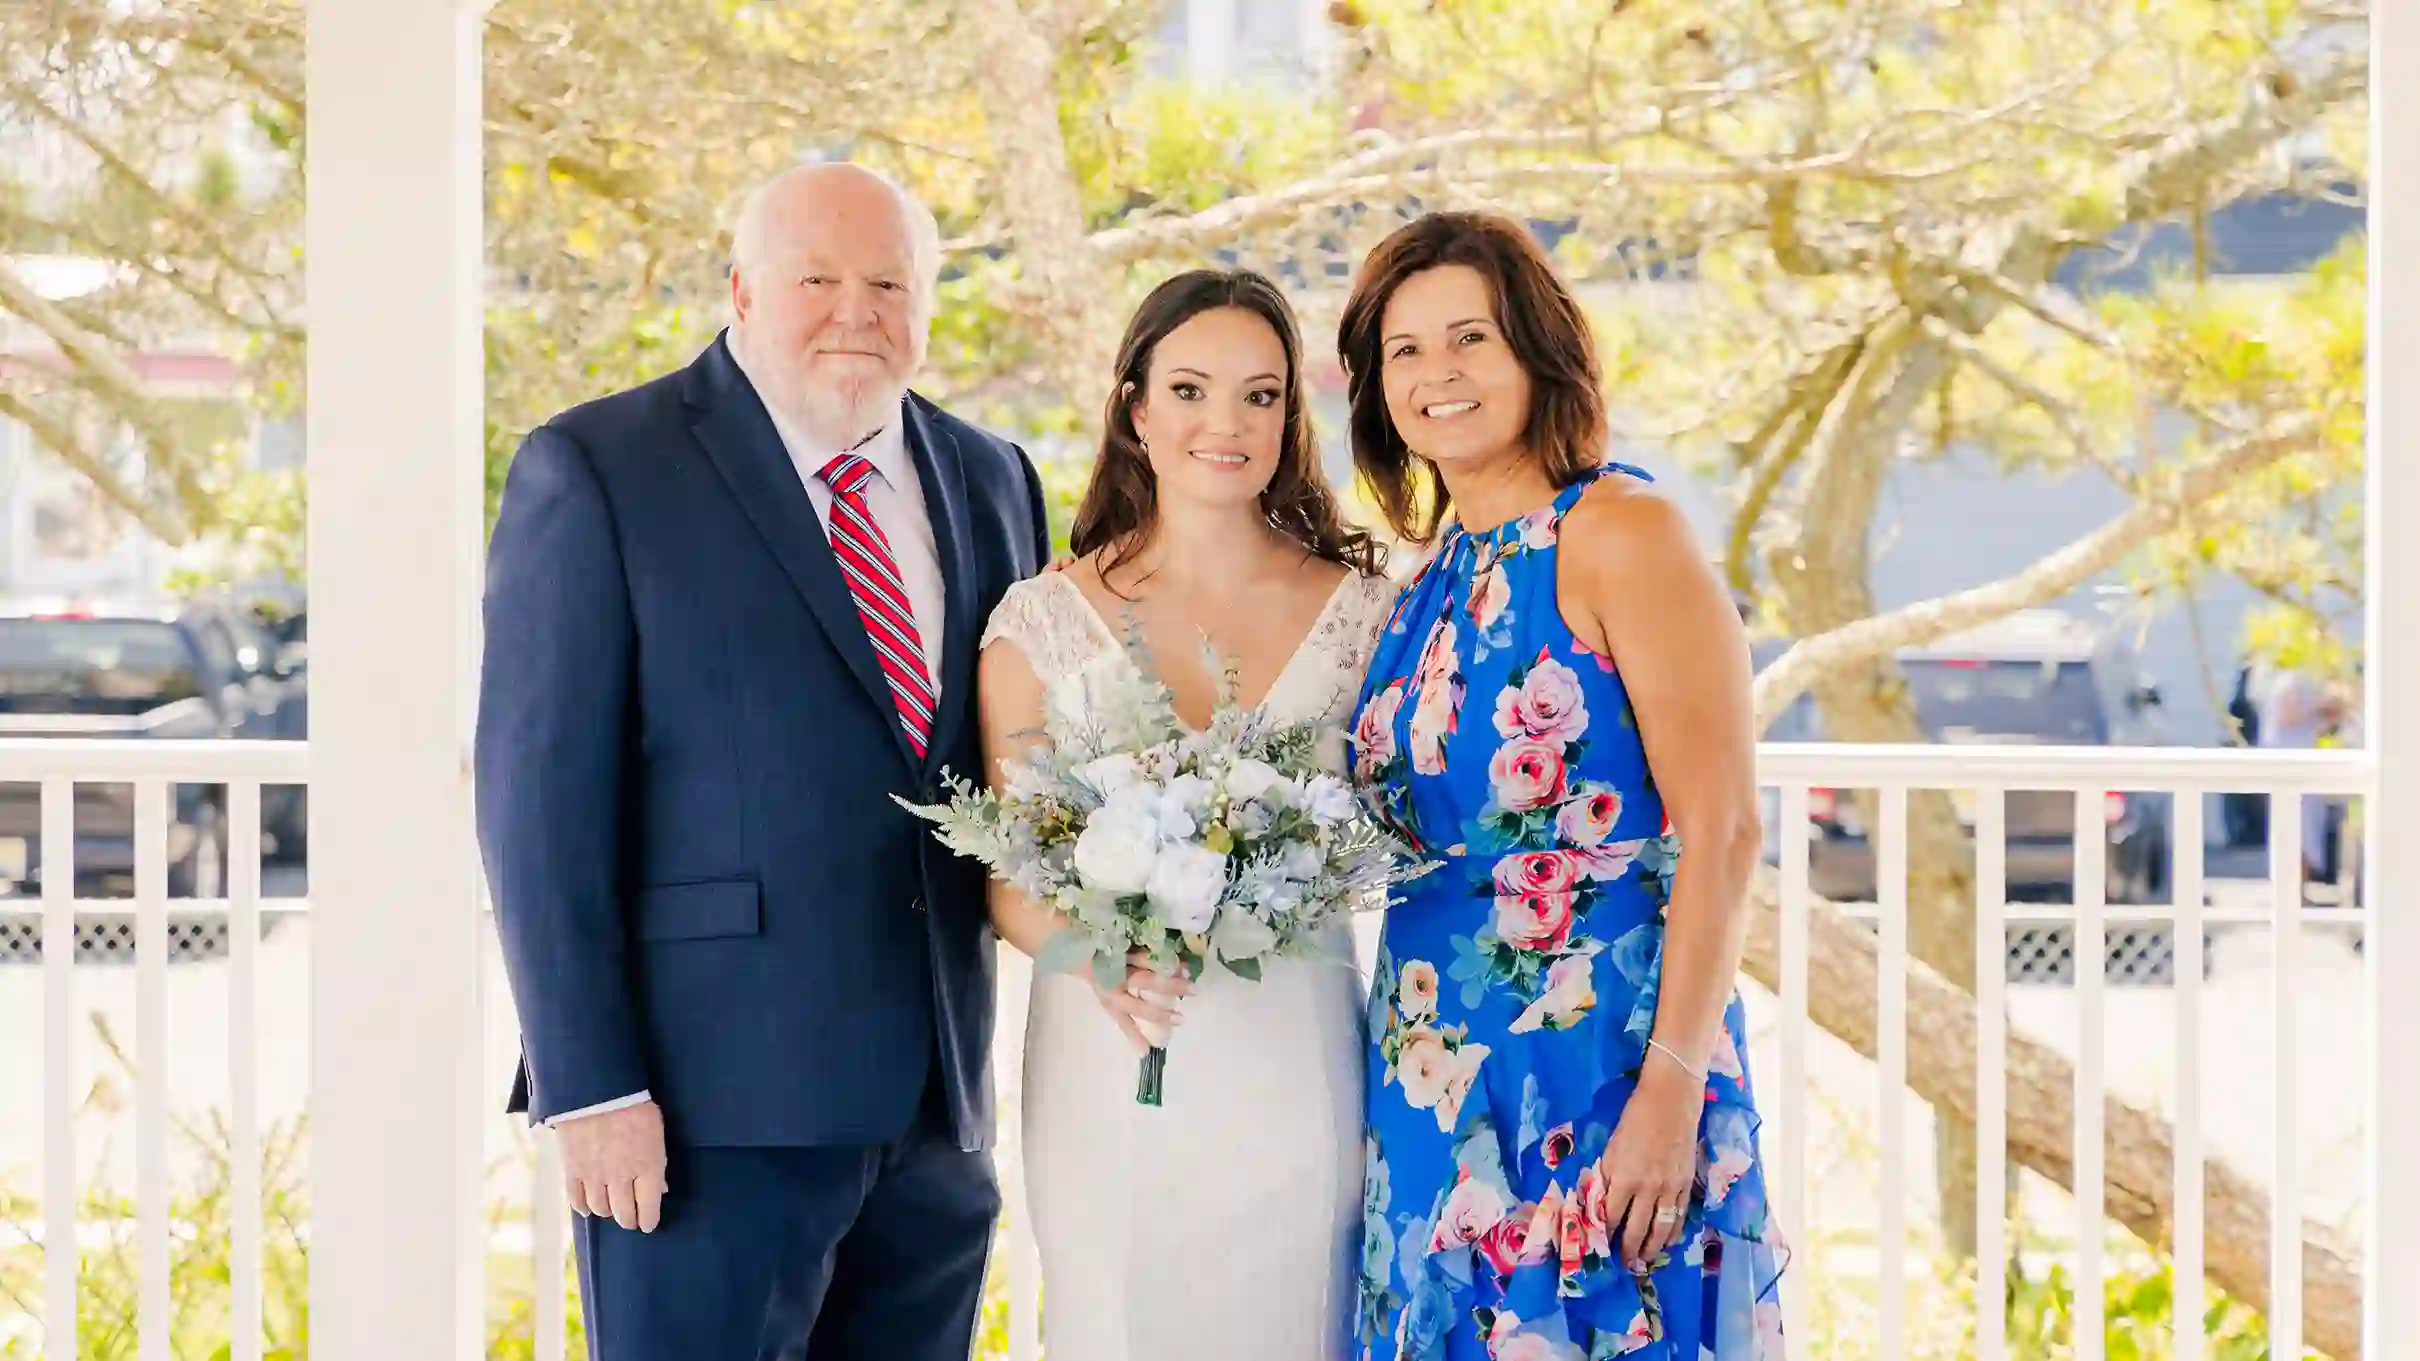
[{"x": 1238, "y": 843}]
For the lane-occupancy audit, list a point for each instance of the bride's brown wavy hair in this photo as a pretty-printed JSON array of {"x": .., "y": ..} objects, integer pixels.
[{"x": 1121, "y": 503}]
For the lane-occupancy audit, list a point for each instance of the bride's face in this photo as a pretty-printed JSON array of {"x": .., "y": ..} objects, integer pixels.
[{"x": 1213, "y": 412}]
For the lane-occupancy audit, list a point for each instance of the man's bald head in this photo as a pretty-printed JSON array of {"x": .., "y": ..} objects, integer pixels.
[
  {"x": 772, "y": 211},
  {"x": 833, "y": 272}
]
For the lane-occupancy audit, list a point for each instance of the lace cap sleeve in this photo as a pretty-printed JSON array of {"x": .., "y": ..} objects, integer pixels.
[{"x": 1043, "y": 618}]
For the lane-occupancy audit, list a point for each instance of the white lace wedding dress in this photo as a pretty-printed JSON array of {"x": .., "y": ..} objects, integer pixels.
[{"x": 1223, "y": 1225}]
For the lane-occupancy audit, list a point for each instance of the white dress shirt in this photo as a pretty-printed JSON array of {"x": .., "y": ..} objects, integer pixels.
[{"x": 897, "y": 500}]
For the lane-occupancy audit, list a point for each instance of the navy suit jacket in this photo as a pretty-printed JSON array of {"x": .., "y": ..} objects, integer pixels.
[{"x": 685, "y": 760}]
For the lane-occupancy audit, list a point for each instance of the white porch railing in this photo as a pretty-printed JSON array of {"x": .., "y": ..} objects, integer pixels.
[
  {"x": 153, "y": 769},
  {"x": 240, "y": 769},
  {"x": 2187, "y": 775}
]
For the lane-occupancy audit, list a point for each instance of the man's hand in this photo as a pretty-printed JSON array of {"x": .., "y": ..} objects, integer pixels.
[{"x": 613, "y": 1165}]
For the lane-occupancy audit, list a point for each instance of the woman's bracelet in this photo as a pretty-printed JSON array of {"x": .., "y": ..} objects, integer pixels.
[{"x": 1674, "y": 1055}]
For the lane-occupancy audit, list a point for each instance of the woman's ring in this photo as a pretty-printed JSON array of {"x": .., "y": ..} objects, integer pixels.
[{"x": 1669, "y": 1214}]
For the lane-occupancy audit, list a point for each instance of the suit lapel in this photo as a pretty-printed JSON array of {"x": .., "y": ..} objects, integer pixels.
[
  {"x": 731, "y": 423},
  {"x": 940, "y": 468}
]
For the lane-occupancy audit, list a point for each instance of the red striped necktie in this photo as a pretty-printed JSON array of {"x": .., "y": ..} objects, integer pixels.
[{"x": 882, "y": 598}]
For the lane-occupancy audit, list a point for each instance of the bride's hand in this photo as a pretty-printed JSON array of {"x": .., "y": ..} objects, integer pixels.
[
  {"x": 1649, "y": 1170},
  {"x": 1147, "y": 997}
]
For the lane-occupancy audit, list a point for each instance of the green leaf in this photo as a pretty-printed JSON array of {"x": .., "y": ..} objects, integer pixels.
[{"x": 1068, "y": 951}]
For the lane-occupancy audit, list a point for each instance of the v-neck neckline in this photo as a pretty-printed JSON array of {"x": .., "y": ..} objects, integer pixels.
[{"x": 1105, "y": 633}]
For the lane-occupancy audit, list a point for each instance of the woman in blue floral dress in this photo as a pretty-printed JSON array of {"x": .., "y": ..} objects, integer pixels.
[{"x": 1562, "y": 1153}]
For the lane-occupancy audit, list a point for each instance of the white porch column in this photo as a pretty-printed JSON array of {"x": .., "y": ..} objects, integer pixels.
[
  {"x": 2391, "y": 1326},
  {"x": 393, "y": 267}
]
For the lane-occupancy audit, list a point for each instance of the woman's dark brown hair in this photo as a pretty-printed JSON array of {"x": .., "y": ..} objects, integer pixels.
[
  {"x": 1540, "y": 319},
  {"x": 1121, "y": 504}
]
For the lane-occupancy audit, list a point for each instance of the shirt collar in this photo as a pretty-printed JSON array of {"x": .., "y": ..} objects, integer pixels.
[{"x": 886, "y": 449}]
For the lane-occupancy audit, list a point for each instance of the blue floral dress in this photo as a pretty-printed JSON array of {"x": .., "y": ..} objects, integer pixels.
[{"x": 1515, "y": 990}]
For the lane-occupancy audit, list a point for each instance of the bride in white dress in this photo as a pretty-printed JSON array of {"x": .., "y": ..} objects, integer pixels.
[{"x": 1224, "y": 1223}]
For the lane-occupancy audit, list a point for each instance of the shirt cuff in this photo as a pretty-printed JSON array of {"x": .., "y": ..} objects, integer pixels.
[{"x": 618, "y": 1103}]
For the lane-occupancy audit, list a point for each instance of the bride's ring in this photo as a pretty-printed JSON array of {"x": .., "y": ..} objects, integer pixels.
[{"x": 1669, "y": 1214}]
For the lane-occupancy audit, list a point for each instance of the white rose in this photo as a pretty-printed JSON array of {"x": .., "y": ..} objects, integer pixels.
[
  {"x": 1119, "y": 848},
  {"x": 1251, "y": 821},
  {"x": 1248, "y": 779},
  {"x": 1111, "y": 774},
  {"x": 1186, "y": 884},
  {"x": 1330, "y": 800},
  {"x": 1182, "y": 803}
]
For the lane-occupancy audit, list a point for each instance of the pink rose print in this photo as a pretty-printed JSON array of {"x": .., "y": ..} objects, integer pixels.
[
  {"x": 1532, "y": 1347},
  {"x": 1527, "y": 774},
  {"x": 1490, "y": 592},
  {"x": 1570, "y": 995},
  {"x": 1507, "y": 1244},
  {"x": 1548, "y": 705},
  {"x": 1433, "y": 721},
  {"x": 1374, "y": 734},
  {"x": 1537, "y": 872},
  {"x": 1607, "y": 862},
  {"x": 1726, "y": 1169},
  {"x": 1471, "y": 1212},
  {"x": 1589, "y": 819},
  {"x": 1596, "y": 1234},
  {"x": 1546, "y": 1226},
  {"x": 1558, "y": 1145},
  {"x": 1534, "y": 921},
  {"x": 1571, "y": 1233},
  {"x": 1726, "y": 1057},
  {"x": 1437, "y": 654}
]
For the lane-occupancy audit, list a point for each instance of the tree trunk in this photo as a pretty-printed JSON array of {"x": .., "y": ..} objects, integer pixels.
[
  {"x": 1062, "y": 276},
  {"x": 1843, "y": 978},
  {"x": 1870, "y": 704},
  {"x": 1822, "y": 574}
]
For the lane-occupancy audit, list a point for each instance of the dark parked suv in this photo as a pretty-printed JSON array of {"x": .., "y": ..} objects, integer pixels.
[
  {"x": 2037, "y": 678},
  {"x": 192, "y": 669}
]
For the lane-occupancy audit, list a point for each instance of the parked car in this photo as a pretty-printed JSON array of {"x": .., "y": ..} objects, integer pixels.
[
  {"x": 285, "y": 810},
  {"x": 2036, "y": 677},
  {"x": 132, "y": 670}
]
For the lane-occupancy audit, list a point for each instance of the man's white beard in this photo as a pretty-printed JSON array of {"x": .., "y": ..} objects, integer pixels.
[
  {"x": 834, "y": 415},
  {"x": 842, "y": 416}
]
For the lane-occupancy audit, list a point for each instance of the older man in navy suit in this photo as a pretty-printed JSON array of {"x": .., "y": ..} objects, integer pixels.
[{"x": 730, "y": 613}]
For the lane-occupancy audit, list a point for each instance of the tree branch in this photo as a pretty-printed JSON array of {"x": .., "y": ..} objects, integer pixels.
[
  {"x": 94, "y": 368},
  {"x": 2159, "y": 511},
  {"x": 2174, "y": 175},
  {"x": 54, "y": 435}
]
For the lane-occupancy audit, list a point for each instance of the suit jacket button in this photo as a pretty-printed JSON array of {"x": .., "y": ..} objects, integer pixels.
[{"x": 918, "y": 904}]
